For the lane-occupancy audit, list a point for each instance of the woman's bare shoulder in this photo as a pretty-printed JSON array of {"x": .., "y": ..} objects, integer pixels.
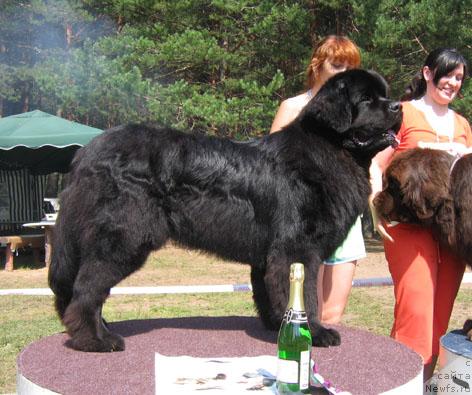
[
  {"x": 288, "y": 111},
  {"x": 296, "y": 102}
]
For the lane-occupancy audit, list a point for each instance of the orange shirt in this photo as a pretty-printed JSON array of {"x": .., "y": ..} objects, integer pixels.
[{"x": 416, "y": 128}]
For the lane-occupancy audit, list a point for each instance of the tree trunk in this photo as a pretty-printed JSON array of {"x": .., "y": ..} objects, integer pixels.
[
  {"x": 26, "y": 99},
  {"x": 69, "y": 36}
]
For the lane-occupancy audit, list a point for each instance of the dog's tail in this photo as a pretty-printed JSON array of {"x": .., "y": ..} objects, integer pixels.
[{"x": 64, "y": 266}]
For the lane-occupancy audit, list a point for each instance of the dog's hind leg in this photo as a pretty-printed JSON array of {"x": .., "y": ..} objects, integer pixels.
[
  {"x": 83, "y": 316},
  {"x": 63, "y": 269},
  {"x": 270, "y": 287},
  {"x": 98, "y": 273},
  {"x": 261, "y": 299}
]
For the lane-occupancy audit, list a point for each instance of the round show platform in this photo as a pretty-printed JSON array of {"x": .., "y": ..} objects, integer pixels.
[{"x": 363, "y": 364}]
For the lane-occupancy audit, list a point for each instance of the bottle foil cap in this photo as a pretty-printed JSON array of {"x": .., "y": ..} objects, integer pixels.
[{"x": 297, "y": 271}]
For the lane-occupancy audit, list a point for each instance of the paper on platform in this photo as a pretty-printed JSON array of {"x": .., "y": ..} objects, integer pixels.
[{"x": 184, "y": 375}]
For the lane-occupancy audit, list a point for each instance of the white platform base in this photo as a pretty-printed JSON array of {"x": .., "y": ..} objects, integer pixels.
[{"x": 455, "y": 364}]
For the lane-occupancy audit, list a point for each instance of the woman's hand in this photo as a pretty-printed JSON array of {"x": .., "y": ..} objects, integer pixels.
[
  {"x": 379, "y": 163},
  {"x": 378, "y": 224}
]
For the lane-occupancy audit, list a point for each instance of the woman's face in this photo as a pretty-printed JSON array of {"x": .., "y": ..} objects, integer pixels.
[
  {"x": 329, "y": 68},
  {"x": 447, "y": 87}
]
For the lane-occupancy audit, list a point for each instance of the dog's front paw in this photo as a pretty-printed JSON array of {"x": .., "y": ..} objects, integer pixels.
[
  {"x": 325, "y": 337},
  {"x": 109, "y": 343},
  {"x": 468, "y": 329}
]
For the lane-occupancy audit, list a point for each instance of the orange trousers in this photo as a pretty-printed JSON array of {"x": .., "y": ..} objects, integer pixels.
[{"x": 426, "y": 280}]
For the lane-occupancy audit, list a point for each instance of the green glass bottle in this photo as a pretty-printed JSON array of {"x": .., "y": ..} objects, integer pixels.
[{"x": 294, "y": 341}]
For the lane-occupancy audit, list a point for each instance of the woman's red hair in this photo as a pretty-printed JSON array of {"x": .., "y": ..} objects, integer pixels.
[{"x": 335, "y": 49}]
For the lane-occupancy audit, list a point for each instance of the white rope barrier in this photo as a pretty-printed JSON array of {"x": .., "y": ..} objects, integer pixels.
[{"x": 190, "y": 289}]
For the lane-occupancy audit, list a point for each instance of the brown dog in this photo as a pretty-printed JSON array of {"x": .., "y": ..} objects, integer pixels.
[
  {"x": 416, "y": 190},
  {"x": 431, "y": 188}
]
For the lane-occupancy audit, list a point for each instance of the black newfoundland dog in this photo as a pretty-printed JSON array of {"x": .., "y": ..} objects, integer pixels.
[
  {"x": 286, "y": 197},
  {"x": 431, "y": 188}
]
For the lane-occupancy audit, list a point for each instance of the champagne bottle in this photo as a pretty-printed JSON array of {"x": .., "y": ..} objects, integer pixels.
[{"x": 294, "y": 340}]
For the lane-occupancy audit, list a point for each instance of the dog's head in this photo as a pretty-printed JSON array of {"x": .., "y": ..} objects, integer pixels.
[
  {"x": 352, "y": 110},
  {"x": 416, "y": 190}
]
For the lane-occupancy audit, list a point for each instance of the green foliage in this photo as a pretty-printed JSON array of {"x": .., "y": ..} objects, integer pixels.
[
  {"x": 216, "y": 66},
  {"x": 396, "y": 37},
  {"x": 91, "y": 88}
]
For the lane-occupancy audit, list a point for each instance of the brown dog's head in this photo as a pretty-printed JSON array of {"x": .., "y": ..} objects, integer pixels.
[{"x": 416, "y": 189}]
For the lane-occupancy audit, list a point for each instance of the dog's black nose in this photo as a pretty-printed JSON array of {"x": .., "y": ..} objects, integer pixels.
[{"x": 395, "y": 106}]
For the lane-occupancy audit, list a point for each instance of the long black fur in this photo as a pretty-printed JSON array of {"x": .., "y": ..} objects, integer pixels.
[{"x": 286, "y": 197}]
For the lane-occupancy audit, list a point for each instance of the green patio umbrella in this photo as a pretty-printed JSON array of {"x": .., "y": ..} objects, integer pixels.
[{"x": 41, "y": 142}]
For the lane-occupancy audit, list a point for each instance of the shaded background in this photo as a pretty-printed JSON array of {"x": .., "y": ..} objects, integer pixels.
[{"x": 213, "y": 66}]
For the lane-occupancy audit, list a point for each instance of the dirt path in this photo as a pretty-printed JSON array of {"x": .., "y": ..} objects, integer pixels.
[{"x": 374, "y": 265}]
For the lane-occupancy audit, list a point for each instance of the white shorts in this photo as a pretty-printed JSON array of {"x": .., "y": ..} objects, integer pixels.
[{"x": 351, "y": 249}]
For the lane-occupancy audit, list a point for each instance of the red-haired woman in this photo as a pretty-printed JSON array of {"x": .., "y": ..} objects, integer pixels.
[{"x": 332, "y": 55}]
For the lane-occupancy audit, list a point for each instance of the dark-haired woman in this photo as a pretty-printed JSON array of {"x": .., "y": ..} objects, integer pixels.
[{"x": 426, "y": 276}]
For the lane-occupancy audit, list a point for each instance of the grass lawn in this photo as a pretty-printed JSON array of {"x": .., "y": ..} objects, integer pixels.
[{"x": 24, "y": 319}]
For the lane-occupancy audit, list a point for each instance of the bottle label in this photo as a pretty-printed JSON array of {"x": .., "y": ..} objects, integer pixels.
[
  {"x": 304, "y": 369},
  {"x": 295, "y": 316},
  {"x": 287, "y": 371}
]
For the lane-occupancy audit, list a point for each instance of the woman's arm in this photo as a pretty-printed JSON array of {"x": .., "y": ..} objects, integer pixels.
[{"x": 377, "y": 167}]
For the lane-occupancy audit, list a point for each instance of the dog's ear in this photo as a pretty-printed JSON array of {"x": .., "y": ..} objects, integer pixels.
[
  {"x": 330, "y": 108},
  {"x": 426, "y": 196},
  {"x": 414, "y": 196},
  {"x": 382, "y": 85}
]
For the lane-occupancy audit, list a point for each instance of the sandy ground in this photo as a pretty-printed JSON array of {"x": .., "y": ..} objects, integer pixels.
[
  {"x": 199, "y": 268},
  {"x": 374, "y": 265}
]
